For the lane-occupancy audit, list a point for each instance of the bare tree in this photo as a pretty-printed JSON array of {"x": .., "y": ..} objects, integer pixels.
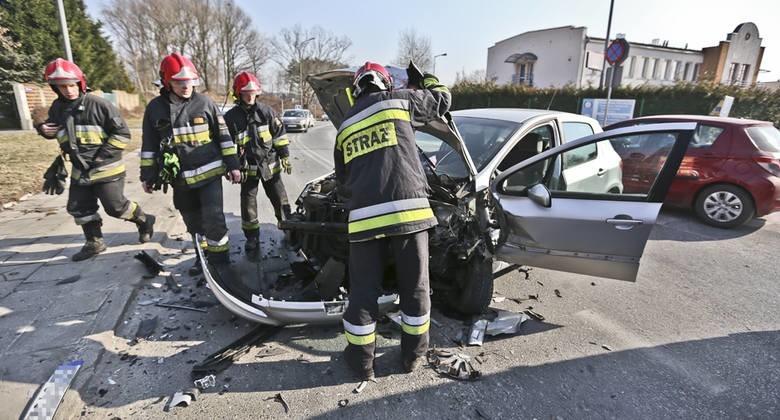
[
  {"x": 216, "y": 34},
  {"x": 302, "y": 51},
  {"x": 415, "y": 47},
  {"x": 474, "y": 77}
]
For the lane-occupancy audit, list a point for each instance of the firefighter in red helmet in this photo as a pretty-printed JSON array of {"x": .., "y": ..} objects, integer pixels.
[
  {"x": 263, "y": 154},
  {"x": 93, "y": 135},
  {"x": 186, "y": 145},
  {"x": 378, "y": 169}
]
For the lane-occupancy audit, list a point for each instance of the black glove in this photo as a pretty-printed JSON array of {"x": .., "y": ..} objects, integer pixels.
[
  {"x": 414, "y": 75},
  {"x": 55, "y": 177}
]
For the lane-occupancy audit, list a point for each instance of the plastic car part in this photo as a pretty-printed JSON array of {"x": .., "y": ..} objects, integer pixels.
[
  {"x": 48, "y": 398},
  {"x": 151, "y": 264}
]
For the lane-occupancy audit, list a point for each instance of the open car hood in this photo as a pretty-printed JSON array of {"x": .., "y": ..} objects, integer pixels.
[{"x": 332, "y": 90}]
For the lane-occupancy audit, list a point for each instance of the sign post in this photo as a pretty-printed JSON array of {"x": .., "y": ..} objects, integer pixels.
[{"x": 616, "y": 54}]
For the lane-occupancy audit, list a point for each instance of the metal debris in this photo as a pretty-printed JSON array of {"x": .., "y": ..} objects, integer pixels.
[
  {"x": 498, "y": 299},
  {"x": 535, "y": 315},
  {"x": 48, "y": 398},
  {"x": 71, "y": 279},
  {"x": 606, "y": 347},
  {"x": 151, "y": 264},
  {"x": 206, "y": 382},
  {"x": 506, "y": 322},
  {"x": 343, "y": 403},
  {"x": 278, "y": 398},
  {"x": 224, "y": 357},
  {"x": 149, "y": 301},
  {"x": 362, "y": 385},
  {"x": 174, "y": 306},
  {"x": 557, "y": 293},
  {"x": 457, "y": 366},
  {"x": 267, "y": 351}
]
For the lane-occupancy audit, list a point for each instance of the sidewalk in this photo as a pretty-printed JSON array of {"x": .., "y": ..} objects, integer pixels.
[{"x": 44, "y": 324}]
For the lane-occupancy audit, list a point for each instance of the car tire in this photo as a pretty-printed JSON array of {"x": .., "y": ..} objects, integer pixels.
[
  {"x": 477, "y": 292},
  {"x": 724, "y": 206}
]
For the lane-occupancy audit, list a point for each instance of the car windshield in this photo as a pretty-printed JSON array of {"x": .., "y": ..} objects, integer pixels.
[
  {"x": 298, "y": 114},
  {"x": 765, "y": 137},
  {"x": 483, "y": 138}
]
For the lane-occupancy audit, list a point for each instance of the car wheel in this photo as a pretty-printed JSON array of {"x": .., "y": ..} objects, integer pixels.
[
  {"x": 724, "y": 206},
  {"x": 477, "y": 292}
]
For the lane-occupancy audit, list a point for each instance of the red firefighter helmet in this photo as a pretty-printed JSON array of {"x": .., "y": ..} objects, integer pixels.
[
  {"x": 245, "y": 82},
  {"x": 371, "y": 74},
  {"x": 178, "y": 67},
  {"x": 63, "y": 72}
]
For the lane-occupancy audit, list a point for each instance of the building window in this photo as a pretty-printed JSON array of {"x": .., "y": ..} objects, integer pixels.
[
  {"x": 632, "y": 67},
  {"x": 696, "y": 69},
  {"x": 656, "y": 68},
  {"x": 733, "y": 71},
  {"x": 668, "y": 70},
  {"x": 678, "y": 70},
  {"x": 745, "y": 74},
  {"x": 645, "y": 67},
  {"x": 687, "y": 73}
]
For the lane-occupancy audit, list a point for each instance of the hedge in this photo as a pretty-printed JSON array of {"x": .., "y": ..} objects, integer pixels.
[{"x": 683, "y": 98}]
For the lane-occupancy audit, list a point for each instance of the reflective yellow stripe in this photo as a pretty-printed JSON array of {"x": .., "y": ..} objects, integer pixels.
[
  {"x": 390, "y": 220},
  {"x": 217, "y": 248},
  {"x": 360, "y": 340},
  {"x": 128, "y": 215},
  {"x": 243, "y": 140},
  {"x": 228, "y": 151},
  {"x": 147, "y": 162},
  {"x": 265, "y": 135},
  {"x": 388, "y": 114},
  {"x": 284, "y": 141},
  {"x": 105, "y": 174},
  {"x": 201, "y": 138},
  {"x": 116, "y": 143},
  {"x": 415, "y": 329},
  {"x": 205, "y": 175},
  {"x": 369, "y": 140},
  {"x": 250, "y": 225},
  {"x": 90, "y": 137}
]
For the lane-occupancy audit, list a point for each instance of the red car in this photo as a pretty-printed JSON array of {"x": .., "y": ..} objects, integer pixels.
[{"x": 730, "y": 173}]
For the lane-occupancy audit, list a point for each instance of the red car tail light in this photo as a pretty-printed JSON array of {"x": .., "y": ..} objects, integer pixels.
[
  {"x": 686, "y": 169},
  {"x": 770, "y": 165}
]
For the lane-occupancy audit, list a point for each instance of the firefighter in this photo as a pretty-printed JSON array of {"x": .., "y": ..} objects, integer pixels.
[
  {"x": 186, "y": 145},
  {"x": 93, "y": 135},
  {"x": 263, "y": 155},
  {"x": 378, "y": 169}
]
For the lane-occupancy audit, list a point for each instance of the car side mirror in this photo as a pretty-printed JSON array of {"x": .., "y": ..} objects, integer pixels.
[{"x": 540, "y": 195}]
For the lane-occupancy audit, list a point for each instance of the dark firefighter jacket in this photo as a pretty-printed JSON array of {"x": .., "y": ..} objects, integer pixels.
[
  {"x": 378, "y": 166},
  {"x": 260, "y": 137},
  {"x": 196, "y": 132},
  {"x": 93, "y": 134}
]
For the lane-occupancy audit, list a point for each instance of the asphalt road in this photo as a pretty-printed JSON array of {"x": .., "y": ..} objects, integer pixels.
[{"x": 697, "y": 336}]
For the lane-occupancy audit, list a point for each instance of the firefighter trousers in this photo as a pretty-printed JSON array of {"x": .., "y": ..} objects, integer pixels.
[
  {"x": 274, "y": 190},
  {"x": 201, "y": 209},
  {"x": 83, "y": 202},
  {"x": 367, "y": 262}
]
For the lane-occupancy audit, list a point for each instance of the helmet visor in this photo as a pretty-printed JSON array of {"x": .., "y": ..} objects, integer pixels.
[{"x": 185, "y": 83}]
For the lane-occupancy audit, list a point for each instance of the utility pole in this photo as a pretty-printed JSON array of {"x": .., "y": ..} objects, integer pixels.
[
  {"x": 64, "y": 27},
  {"x": 606, "y": 45},
  {"x": 434, "y": 61}
]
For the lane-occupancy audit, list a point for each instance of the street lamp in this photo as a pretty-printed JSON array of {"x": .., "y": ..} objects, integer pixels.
[
  {"x": 434, "y": 60},
  {"x": 300, "y": 68}
]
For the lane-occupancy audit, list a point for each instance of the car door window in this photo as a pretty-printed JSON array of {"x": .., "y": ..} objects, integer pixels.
[
  {"x": 576, "y": 130},
  {"x": 704, "y": 136},
  {"x": 534, "y": 142},
  {"x": 597, "y": 169}
]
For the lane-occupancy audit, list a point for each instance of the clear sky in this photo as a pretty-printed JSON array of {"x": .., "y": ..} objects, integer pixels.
[{"x": 465, "y": 29}]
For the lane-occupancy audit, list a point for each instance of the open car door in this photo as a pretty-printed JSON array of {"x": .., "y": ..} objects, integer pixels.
[{"x": 560, "y": 211}]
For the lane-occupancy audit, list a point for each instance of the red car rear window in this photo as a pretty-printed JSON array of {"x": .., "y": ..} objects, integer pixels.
[{"x": 765, "y": 137}]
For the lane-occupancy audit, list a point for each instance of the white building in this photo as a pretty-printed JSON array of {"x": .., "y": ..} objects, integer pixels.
[{"x": 566, "y": 55}]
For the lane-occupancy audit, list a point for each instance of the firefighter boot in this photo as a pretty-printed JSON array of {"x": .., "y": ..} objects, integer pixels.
[
  {"x": 252, "y": 240},
  {"x": 145, "y": 224},
  {"x": 94, "y": 244},
  {"x": 219, "y": 258},
  {"x": 196, "y": 268}
]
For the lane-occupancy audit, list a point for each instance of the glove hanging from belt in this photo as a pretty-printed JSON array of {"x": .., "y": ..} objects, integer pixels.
[{"x": 55, "y": 177}]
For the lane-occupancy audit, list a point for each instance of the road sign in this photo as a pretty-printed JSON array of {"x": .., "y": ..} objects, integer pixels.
[
  {"x": 617, "y": 51},
  {"x": 616, "y": 109}
]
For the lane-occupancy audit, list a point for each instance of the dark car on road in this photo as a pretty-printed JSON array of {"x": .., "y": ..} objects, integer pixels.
[{"x": 730, "y": 173}]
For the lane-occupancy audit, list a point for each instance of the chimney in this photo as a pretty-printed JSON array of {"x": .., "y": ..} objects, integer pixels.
[{"x": 656, "y": 41}]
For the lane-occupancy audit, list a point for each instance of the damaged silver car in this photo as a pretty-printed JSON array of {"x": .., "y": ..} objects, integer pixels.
[{"x": 527, "y": 187}]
